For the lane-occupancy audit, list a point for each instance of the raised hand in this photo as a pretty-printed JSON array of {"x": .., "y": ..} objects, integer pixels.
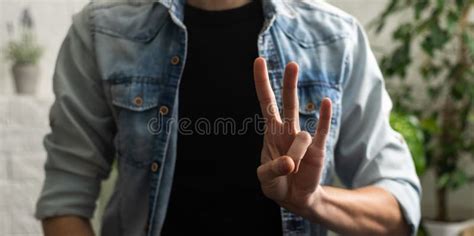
[{"x": 291, "y": 160}]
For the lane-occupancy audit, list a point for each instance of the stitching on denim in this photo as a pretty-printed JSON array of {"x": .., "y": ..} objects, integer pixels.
[{"x": 313, "y": 44}]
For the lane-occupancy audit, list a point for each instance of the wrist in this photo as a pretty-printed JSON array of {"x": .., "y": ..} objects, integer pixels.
[{"x": 317, "y": 204}]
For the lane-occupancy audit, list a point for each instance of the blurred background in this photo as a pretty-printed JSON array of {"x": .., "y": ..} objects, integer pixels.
[{"x": 425, "y": 49}]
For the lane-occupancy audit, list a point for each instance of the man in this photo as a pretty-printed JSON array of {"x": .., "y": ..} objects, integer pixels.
[{"x": 129, "y": 72}]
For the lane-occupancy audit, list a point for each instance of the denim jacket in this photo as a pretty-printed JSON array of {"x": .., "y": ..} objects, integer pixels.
[{"x": 119, "y": 69}]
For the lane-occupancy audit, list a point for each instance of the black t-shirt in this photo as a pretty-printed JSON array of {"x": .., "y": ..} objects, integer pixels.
[{"x": 215, "y": 188}]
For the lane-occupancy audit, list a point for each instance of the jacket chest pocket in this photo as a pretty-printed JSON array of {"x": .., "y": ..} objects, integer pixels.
[
  {"x": 310, "y": 96},
  {"x": 135, "y": 102}
]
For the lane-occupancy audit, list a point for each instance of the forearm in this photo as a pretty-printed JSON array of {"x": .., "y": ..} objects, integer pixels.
[
  {"x": 67, "y": 225},
  {"x": 364, "y": 211}
]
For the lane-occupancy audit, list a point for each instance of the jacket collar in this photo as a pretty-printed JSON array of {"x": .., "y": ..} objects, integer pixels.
[{"x": 270, "y": 7}]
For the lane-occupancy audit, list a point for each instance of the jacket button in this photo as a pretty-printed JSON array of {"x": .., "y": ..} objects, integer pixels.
[
  {"x": 175, "y": 60},
  {"x": 310, "y": 106},
  {"x": 138, "y": 101},
  {"x": 154, "y": 167},
  {"x": 164, "y": 110}
]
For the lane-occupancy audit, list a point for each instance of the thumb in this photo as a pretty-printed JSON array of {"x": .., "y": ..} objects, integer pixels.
[{"x": 269, "y": 172}]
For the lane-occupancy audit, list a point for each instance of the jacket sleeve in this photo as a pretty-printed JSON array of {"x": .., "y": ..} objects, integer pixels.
[
  {"x": 369, "y": 151},
  {"x": 80, "y": 146}
]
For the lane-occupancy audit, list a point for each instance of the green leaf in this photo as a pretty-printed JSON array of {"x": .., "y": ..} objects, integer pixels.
[
  {"x": 430, "y": 125},
  {"x": 430, "y": 70},
  {"x": 420, "y": 6},
  {"x": 434, "y": 92},
  {"x": 460, "y": 3},
  {"x": 427, "y": 45},
  {"x": 458, "y": 179},
  {"x": 440, "y": 4},
  {"x": 398, "y": 62},
  {"x": 389, "y": 10},
  {"x": 458, "y": 90},
  {"x": 403, "y": 32},
  {"x": 380, "y": 27},
  {"x": 452, "y": 19},
  {"x": 443, "y": 181},
  {"x": 435, "y": 39}
]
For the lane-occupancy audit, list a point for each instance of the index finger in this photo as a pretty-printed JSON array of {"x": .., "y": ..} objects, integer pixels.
[{"x": 265, "y": 94}]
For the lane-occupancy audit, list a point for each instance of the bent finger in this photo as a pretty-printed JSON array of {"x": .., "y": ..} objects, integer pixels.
[{"x": 298, "y": 147}]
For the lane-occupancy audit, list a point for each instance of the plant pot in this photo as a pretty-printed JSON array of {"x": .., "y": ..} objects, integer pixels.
[
  {"x": 25, "y": 77},
  {"x": 440, "y": 228}
]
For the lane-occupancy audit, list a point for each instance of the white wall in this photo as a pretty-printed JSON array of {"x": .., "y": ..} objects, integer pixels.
[{"x": 24, "y": 119}]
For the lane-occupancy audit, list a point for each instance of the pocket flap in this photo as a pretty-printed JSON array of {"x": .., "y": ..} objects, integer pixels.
[{"x": 136, "y": 96}]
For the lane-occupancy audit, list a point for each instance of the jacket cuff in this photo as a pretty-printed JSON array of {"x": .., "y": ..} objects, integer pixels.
[
  {"x": 65, "y": 193},
  {"x": 408, "y": 198}
]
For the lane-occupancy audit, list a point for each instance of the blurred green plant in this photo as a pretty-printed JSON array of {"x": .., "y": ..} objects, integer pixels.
[
  {"x": 409, "y": 127},
  {"x": 440, "y": 33},
  {"x": 25, "y": 49}
]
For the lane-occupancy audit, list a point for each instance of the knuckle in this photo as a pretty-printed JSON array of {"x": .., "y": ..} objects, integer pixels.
[{"x": 271, "y": 108}]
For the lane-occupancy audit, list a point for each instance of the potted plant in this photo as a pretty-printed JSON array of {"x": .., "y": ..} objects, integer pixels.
[
  {"x": 436, "y": 39},
  {"x": 24, "y": 54}
]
